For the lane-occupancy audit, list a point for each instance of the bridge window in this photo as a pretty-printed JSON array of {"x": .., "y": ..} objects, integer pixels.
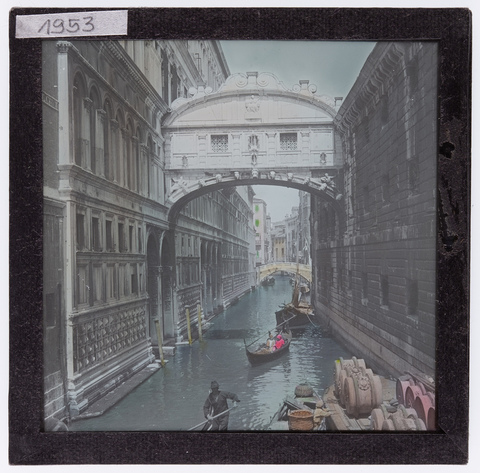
[
  {"x": 219, "y": 143},
  {"x": 288, "y": 141}
]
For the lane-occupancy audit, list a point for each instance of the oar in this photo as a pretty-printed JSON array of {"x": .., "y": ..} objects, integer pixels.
[{"x": 214, "y": 417}]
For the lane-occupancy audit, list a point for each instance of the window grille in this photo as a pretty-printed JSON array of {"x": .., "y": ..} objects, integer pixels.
[
  {"x": 219, "y": 143},
  {"x": 288, "y": 141}
]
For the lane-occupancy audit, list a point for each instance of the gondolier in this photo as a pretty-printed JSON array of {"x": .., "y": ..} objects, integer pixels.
[{"x": 215, "y": 404}]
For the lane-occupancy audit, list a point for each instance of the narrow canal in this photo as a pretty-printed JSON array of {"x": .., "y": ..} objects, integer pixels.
[{"x": 172, "y": 399}]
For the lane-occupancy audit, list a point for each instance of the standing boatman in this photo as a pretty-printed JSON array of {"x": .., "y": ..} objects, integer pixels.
[{"x": 215, "y": 404}]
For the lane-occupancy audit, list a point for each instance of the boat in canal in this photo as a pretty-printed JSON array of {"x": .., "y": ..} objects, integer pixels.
[
  {"x": 299, "y": 312},
  {"x": 304, "y": 411},
  {"x": 268, "y": 281},
  {"x": 258, "y": 353}
]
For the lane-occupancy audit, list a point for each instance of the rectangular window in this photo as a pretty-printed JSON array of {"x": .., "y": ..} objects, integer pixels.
[
  {"x": 97, "y": 283},
  {"x": 121, "y": 237},
  {"x": 80, "y": 222},
  {"x": 366, "y": 199},
  {"x": 96, "y": 245},
  {"x": 82, "y": 285},
  {"x": 139, "y": 240},
  {"x": 386, "y": 188},
  {"x": 412, "y": 297},
  {"x": 288, "y": 141},
  {"x": 130, "y": 238},
  {"x": 108, "y": 235},
  {"x": 121, "y": 281},
  {"x": 412, "y": 171},
  {"x": 364, "y": 288},
  {"x": 133, "y": 279},
  {"x": 219, "y": 143},
  {"x": 384, "y": 289},
  {"x": 110, "y": 283}
]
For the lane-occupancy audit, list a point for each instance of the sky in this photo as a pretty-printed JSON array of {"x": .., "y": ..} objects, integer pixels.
[{"x": 333, "y": 66}]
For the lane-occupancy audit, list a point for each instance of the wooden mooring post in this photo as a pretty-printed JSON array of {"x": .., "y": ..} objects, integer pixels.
[
  {"x": 189, "y": 329},
  {"x": 199, "y": 312},
  {"x": 160, "y": 341}
]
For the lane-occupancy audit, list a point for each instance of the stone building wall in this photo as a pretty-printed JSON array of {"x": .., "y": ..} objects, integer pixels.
[
  {"x": 110, "y": 254},
  {"x": 374, "y": 280}
]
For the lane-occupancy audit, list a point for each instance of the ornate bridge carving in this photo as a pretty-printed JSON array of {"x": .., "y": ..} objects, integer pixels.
[{"x": 252, "y": 131}]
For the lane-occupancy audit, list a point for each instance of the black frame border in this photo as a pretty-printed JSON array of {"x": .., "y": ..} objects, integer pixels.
[{"x": 452, "y": 29}]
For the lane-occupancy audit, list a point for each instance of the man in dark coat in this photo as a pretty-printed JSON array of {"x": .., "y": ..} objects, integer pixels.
[{"x": 215, "y": 404}]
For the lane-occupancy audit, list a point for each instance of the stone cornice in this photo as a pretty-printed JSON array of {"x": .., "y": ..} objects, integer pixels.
[
  {"x": 127, "y": 64},
  {"x": 372, "y": 82}
]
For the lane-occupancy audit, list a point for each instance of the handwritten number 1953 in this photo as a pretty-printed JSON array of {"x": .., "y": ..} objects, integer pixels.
[{"x": 60, "y": 26}]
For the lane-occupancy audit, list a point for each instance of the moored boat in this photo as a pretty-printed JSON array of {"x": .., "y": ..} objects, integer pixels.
[
  {"x": 258, "y": 353},
  {"x": 299, "y": 312},
  {"x": 268, "y": 281}
]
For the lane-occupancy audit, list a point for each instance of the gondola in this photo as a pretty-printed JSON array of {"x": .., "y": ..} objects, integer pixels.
[
  {"x": 269, "y": 281},
  {"x": 258, "y": 353},
  {"x": 299, "y": 312}
]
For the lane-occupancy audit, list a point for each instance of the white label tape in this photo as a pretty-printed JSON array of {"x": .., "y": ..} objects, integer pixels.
[{"x": 57, "y": 25}]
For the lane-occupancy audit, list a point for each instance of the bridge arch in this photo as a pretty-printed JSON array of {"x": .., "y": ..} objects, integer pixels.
[{"x": 252, "y": 131}]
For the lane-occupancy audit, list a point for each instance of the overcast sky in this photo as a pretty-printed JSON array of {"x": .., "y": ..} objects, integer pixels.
[{"x": 332, "y": 66}]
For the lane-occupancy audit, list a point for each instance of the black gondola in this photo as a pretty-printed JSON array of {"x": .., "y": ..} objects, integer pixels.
[
  {"x": 268, "y": 281},
  {"x": 259, "y": 353}
]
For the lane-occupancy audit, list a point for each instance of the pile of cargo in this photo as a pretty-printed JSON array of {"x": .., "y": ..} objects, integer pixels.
[{"x": 364, "y": 400}]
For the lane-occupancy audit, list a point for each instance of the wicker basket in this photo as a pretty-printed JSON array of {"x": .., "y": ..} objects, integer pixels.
[{"x": 300, "y": 420}]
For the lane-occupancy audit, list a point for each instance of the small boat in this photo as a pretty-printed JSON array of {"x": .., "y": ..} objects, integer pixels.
[
  {"x": 299, "y": 312},
  {"x": 304, "y": 401},
  {"x": 268, "y": 281},
  {"x": 259, "y": 353}
]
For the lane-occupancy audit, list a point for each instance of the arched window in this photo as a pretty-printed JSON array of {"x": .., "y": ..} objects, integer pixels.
[
  {"x": 130, "y": 173},
  {"x": 119, "y": 147},
  {"x": 136, "y": 160},
  {"x": 107, "y": 140},
  {"x": 95, "y": 164},
  {"x": 78, "y": 114}
]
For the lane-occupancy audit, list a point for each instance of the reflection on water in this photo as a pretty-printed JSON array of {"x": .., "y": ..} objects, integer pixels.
[{"x": 173, "y": 398}]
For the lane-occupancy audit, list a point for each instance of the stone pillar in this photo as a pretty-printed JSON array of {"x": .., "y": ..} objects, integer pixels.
[
  {"x": 202, "y": 150},
  {"x": 305, "y": 147},
  {"x": 65, "y": 154},
  {"x": 236, "y": 150},
  {"x": 271, "y": 148}
]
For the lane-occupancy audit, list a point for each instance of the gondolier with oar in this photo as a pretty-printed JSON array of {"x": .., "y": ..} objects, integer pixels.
[{"x": 215, "y": 405}]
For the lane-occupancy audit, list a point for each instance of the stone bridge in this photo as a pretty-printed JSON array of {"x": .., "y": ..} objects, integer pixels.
[
  {"x": 304, "y": 270},
  {"x": 252, "y": 131}
]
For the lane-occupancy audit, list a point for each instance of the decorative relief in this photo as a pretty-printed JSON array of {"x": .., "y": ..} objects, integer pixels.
[
  {"x": 252, "y": 104},
  {"x": 96, "y": 340}
]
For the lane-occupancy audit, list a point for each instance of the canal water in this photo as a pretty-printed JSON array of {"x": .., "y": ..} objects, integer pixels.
[{"x": 172, "y": 399}]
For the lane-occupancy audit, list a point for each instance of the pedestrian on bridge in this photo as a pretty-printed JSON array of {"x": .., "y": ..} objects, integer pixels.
[{"x": 215, "y": 404}]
